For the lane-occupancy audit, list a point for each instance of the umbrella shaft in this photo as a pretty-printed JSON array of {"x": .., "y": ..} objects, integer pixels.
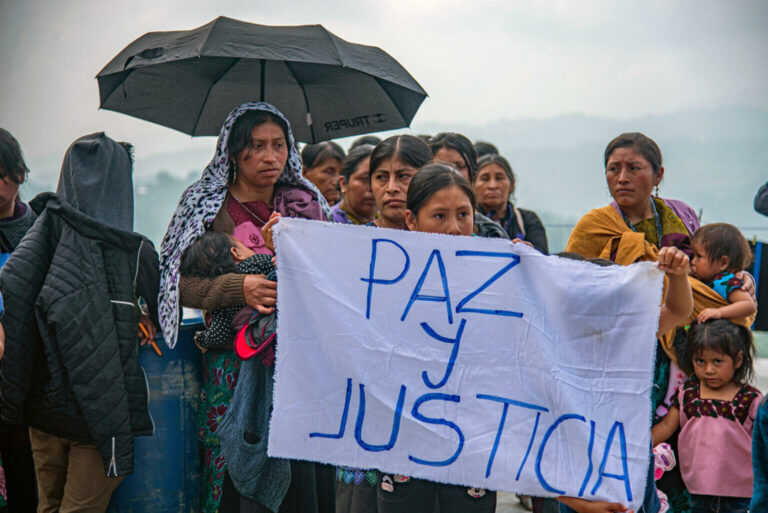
[{"x": 263, "y": 77}]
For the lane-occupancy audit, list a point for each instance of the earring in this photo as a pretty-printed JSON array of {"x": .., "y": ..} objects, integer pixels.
[
  {"x": 234, "y": 172},
  {"x": 657, "y": 190}
]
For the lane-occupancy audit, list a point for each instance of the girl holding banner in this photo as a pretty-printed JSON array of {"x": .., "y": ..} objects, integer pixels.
[
  {"x": 435, "y": 198},
  {"x": 635, "y": 227},
  {"x": 439, "y": 200},
  {"x": 393, "y": 164},
  {"x": 676, "y": 308}
]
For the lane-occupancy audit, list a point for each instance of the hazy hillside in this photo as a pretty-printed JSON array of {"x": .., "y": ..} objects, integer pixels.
[{"x": 715, "y": 160}]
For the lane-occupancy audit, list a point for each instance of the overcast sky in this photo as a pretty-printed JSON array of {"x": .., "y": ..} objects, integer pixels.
[{"x": 479, "y": 61}]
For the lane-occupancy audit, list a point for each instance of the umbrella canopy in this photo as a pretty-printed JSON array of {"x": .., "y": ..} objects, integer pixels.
[{"x": 326, "y": 87}]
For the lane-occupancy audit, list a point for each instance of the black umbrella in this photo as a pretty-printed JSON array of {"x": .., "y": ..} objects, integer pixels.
[{"x": 327, "y": 87}]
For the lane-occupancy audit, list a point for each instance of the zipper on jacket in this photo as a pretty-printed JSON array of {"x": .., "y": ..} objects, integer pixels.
[
  {"x": 113, "y": 462},
  {"x": 126, "y": 303}
]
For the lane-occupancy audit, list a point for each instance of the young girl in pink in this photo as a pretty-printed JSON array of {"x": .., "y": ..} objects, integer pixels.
[{"x": 715, "y": 411}]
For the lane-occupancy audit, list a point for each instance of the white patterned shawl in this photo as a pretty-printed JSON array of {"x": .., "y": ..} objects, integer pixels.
[{"x": 200, "y": 203}]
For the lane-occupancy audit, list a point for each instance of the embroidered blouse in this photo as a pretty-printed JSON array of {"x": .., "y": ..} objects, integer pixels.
[{"x": 715, "y": 442}]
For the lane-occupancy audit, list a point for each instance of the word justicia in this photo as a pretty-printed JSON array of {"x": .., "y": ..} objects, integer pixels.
[{"x": 434, "y": 403}]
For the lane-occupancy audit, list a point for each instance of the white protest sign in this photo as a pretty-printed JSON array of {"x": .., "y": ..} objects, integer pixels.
[{"x": 463, "y": 360}]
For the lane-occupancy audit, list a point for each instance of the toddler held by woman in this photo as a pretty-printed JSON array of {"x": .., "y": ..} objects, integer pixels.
[{"x": 720, "y": 251}]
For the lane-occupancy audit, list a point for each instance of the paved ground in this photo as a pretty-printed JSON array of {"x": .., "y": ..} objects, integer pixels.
[{"x": 508, "y": 503}]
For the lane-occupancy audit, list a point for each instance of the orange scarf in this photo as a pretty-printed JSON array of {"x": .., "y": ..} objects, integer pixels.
[{"x": 602, "y": 233}]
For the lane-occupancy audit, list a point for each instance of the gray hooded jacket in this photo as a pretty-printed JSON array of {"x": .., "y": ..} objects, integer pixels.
[{"x": 97, "y": 179}]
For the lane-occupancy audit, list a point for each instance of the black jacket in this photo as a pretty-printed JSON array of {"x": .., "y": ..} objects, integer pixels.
[
  {"x": 535, "y": 233},
  {"x": 487, "y": 227},
  {"x": 71, "y": 365},
  {"x": 761, "y": 200}
]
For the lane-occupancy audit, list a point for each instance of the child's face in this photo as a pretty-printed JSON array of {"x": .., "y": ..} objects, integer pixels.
[
  {"x": 703, "y": 266},
  {"x": 448, "y": 211},
  {"x": 715, "y": 369},
  {"x": 240, "y": 251}
]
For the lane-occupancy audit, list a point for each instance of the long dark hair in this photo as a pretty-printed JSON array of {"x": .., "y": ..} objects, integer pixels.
[
  {"x": 483, "y": 148},
  {"x": 461, "y": 144},
  {"x": 208, "y": 257},
  {"x": 11, "y": 158},
  {"x": 431, "y": 179},
  {"x": 722, "y": 336},
  {"x": 315, "y": 154},
  {"x": 641, "y": 143},
  {"x": 366, "y": 140},
  {"x": 411, "y": 150},
  {"x": 354, "y": 158}
]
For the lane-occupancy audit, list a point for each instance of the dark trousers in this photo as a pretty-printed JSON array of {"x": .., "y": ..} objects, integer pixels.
[
  {"x": 545, "y": 505},
  {"x": 410, "y": 495},
  {"x": 312, "y": 490},
  {"x": 233, "y": 502},
  {"x": 19, "y": 469},
  {"x": 714, "y": 504}
]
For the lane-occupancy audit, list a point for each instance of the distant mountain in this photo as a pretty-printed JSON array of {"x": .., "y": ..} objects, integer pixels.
[
  {"x": 714, "y": 159},
  {"x": 574, "y": 130}
]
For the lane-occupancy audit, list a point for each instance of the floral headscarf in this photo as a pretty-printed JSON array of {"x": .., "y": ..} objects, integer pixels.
[{"x": 200, "y": 203}]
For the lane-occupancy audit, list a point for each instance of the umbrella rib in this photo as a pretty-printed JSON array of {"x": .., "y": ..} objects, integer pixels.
[
  {"x": 341, "y": 61},
  {"x": 207, "y": 93},
  {"x": 397, "y": 107},
  {"x": 306, "y": 100}
]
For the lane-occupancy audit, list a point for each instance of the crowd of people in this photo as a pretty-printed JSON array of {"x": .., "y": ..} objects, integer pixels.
[{"x": 81, "y": 290}]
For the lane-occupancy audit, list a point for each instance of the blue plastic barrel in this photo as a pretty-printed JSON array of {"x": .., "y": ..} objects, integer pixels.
[{"x": 166, "y": 468}]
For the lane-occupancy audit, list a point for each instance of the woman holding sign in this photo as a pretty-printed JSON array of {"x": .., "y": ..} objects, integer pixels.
[
  {"x": 393, "y": 164},
  {"x": 456, "y": 150},
  {"x": 439, "y": 200},
  {"x": 634, "y": 227},
  {"x": 256, "y": 171}
]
